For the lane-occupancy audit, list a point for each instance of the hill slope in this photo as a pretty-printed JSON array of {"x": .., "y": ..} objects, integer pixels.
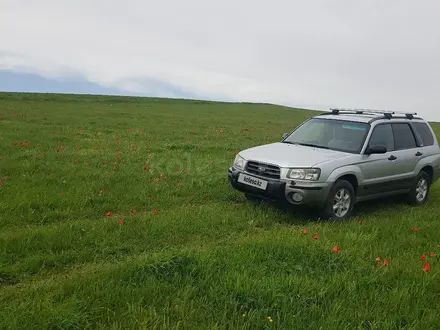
[{"x": 116, "y": 213}]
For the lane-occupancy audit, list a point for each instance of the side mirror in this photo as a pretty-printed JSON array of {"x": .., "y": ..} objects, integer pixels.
[{"x": 377, "y": 149}]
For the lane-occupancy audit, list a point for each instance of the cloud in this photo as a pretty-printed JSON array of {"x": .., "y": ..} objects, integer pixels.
[{"x": 316, "y": 53}]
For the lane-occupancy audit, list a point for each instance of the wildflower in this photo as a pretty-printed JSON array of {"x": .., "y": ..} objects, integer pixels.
[
  {"x": 416, "y": 229},
  {"x": 109, "y": 214},
  {"x": 427, "y": 267},
  {"x": 121, "y": 221},
  {"x": 423, "y": 257},
  {"x": 316, "y": 237},
  {"x": 134, "y": 211},
  {"x": 306, "y": 231},
  {"x": 361, "y": 222},
  {"x": 378, "y": 259},
  {"x": 336, "y": 249},
  {"x": 156, "y": 212},
  {"x": 432, "y": 254},
  {"x": 385, "y": 262},
  {"x": 62, "y": 194}
]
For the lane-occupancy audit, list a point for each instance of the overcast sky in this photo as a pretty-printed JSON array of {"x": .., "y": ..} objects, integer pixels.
[{"x": 309, "y": 53}]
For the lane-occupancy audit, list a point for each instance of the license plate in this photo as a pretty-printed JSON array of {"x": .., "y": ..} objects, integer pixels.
[{"x": 252, "y": 181}]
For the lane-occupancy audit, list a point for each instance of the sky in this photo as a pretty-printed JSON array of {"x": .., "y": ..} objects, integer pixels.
[{"x": 312, "y": 54}]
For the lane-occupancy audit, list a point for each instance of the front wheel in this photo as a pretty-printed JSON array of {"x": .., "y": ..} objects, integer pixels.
[
  {"x": 340, "y": 201},
  {"x": 420, "y": 191}
]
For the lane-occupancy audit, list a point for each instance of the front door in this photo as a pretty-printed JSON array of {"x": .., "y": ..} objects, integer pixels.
[{"x": 379, "y": 170}]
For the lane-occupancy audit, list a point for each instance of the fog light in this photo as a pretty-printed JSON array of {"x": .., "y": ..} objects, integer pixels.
[{"x": 297, "y": 197}]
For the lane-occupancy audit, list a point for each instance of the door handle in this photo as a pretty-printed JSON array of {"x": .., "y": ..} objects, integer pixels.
[
  {"x": 392, "y": 157},
  {"x": 419, "y": 154}
]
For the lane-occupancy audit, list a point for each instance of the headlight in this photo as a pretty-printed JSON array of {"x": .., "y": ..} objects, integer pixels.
[
  {"x": 304, "y": 173},
  {"x": 239, "y": 162}
]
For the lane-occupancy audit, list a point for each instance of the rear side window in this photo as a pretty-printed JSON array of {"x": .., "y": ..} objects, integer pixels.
[
  {"x": 403, "y": 136},
  {"x": 425, "y": 134},
  {"x": 382, "y": 136}
]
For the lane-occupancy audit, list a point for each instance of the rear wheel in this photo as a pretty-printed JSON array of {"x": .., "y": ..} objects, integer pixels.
[
  {"x": 420, "y": 191},
  {"x": 340, "y": 201}
]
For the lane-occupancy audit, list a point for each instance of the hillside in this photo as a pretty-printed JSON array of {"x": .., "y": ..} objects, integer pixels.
[{"x": 116, "y": 213}]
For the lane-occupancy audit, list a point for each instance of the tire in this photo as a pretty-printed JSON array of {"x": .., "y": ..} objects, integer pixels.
[
  {"x": 344, "y": 211},
  {"x": 419, "y": 193}
]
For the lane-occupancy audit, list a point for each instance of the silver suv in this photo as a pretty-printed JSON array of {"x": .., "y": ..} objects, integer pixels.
[{"x": 338, "y": 158}]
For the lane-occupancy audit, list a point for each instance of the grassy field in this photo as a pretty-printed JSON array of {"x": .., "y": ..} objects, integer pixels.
[{"x": 116, "y": 213}]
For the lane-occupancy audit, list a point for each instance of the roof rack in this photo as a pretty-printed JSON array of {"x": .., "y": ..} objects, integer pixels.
[{"x": 387, "y": 114}]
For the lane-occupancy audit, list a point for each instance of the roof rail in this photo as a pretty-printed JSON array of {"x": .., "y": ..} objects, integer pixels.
[{"x": 386, "y": 113}]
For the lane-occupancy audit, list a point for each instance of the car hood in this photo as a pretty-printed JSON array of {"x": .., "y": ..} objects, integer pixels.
[{"x": 290, "y": 155}]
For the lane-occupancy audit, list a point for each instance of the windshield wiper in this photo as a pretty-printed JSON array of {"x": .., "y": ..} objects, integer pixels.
[{"x": 311, "y": 145}]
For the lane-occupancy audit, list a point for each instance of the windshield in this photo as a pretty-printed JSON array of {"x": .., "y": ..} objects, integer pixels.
[{"x": 331, "y": 134}]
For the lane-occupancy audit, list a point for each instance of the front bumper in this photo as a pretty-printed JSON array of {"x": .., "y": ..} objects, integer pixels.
[{"x": 312, "y": 193}]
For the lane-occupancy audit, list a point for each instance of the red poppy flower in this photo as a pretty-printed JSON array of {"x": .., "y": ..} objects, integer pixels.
[
  {"x": 378, "y": 259},
  {"x": 53, "y": 133},
  {"x": 432, "y": 254},
  {"x": 52, "y": 171},
  {"x": 58, "y": 149},
  {"x": 427, "y": 267},
  {"x": 108, "y": 214},
  {"x": 316, "y": 237},
  {"x": 385, "y": 262},
  {"x": 336, "y": 249},
  {"x": 62, "y": 194},
  {"x": 1, "y": 181},
  {"x": 153, "y": 198},
  {"x": 361, "y": 222},
  {"x": 156, "y": 212},
  {"x": 38, "y": 145},
  {"x": 0, "y": 158},
  {"x": 121, "y": 221},
  {"x": 306, "y": 231},
  {"x": 416, "y": 229},
  {"x": 423, "y": 257},
  {"x": 134, "y": 212}
]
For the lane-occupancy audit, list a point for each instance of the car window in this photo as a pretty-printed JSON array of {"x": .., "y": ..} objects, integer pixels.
[
  {"x": 382, "y": 136},
  {"x": 403, "y": 136},
  {"x": 425, "y": 133}
]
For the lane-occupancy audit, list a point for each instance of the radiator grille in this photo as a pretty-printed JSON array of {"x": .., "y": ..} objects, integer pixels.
[{"x": 265, "y": 170}]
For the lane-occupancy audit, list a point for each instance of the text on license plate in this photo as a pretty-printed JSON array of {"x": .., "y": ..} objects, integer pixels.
[{"x": 252, "y": 181}]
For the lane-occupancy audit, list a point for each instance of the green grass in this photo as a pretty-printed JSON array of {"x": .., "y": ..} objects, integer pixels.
[{"x": 208, "y": 259}]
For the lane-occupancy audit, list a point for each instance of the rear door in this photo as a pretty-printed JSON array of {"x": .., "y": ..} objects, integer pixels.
[{"x": 407, "y": 153}]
